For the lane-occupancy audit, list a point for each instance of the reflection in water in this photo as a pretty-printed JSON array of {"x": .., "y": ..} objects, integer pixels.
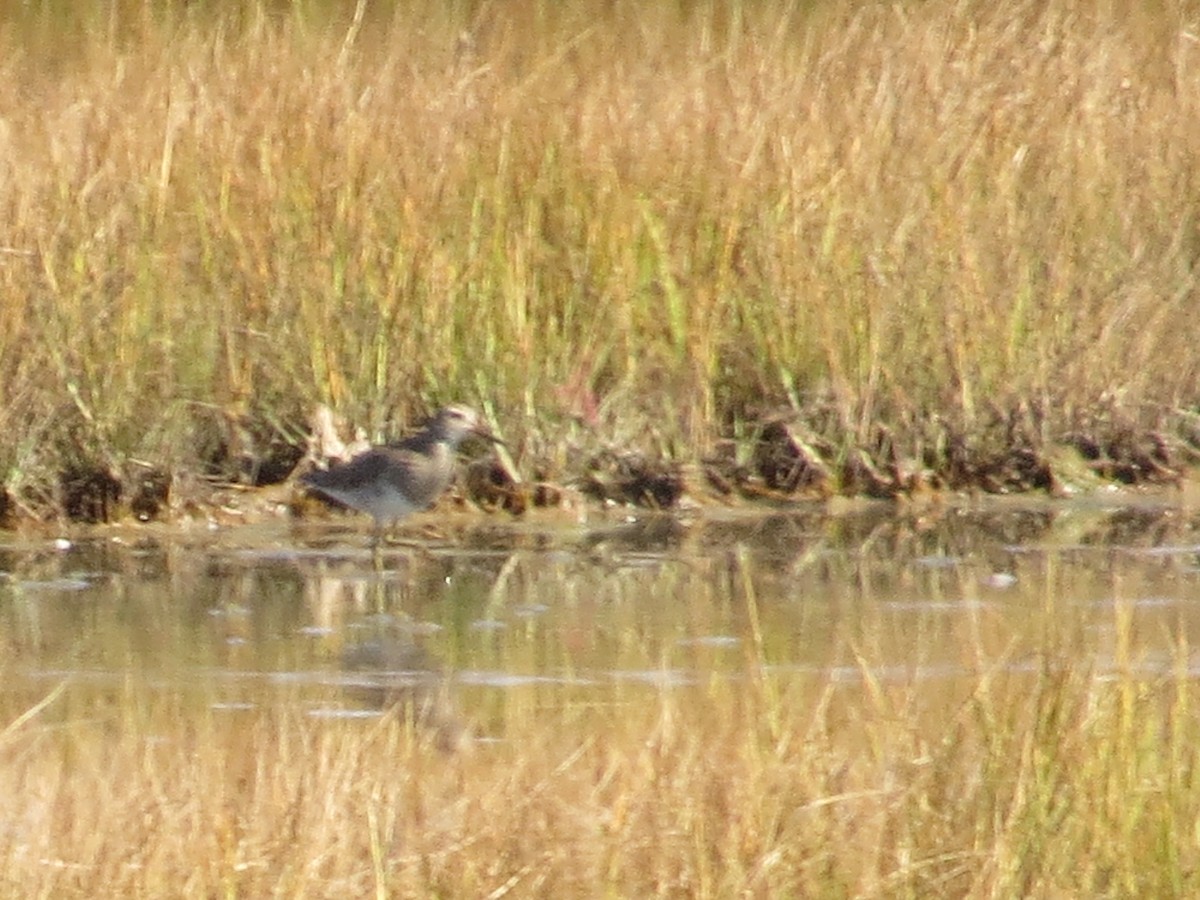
[
  {"x": 401, "y": 677},
  {"x": 512, "y": 613},
  {"x": 648, "y": 705}
]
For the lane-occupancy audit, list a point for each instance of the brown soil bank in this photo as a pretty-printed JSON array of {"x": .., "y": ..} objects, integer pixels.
[
  {"x": 758, "y": 249},
  {"x": 787, "y": 459}
]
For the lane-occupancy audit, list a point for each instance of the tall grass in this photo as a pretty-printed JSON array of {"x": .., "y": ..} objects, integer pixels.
[
  {"x": 880, "y": 725},
  {"x": 1050, "y": 783},
  {"x": 217, "y": 216}
]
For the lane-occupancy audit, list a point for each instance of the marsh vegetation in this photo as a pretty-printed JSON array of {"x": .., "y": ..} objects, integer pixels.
[
  {"x": 760, "y": 249},
  {"x": 947, "y": 243},
  {"x": 974, "y": 705}
]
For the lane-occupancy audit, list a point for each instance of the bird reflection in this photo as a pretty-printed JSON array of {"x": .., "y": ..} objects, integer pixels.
[{"x": 397, "y": 675}]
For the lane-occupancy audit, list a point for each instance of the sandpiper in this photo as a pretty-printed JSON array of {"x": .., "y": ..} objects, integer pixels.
[{"x": 394, "y": 480}]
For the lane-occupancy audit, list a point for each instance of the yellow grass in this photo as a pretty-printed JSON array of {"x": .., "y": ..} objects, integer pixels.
[
  {"x": 1050, "y": 783},
  {"x": 907, "y": 215},
  {"x": 1034, "y": 742}
]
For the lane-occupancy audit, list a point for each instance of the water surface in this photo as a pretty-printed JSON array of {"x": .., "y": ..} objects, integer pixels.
[{"x": 508, "y": 612}]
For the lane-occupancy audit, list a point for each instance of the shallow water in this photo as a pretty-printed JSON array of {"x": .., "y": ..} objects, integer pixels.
[{"x": 508, "y": 612}]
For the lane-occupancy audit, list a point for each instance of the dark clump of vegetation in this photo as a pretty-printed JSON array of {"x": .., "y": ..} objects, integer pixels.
[
  {"x": 946, "y": 245},
  {"x": 633, "y": 479}
]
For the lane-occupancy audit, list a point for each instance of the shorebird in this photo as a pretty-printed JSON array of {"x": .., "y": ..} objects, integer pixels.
[{"x": 392, "y": 481}]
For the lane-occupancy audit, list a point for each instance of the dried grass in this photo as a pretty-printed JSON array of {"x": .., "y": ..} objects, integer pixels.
[{"x": 218, "y": 216}]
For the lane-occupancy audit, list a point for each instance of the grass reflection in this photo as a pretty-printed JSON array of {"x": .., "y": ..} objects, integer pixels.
[
  {"x": 1003, "y": 782},
  {"x": 804, "y": 708}
]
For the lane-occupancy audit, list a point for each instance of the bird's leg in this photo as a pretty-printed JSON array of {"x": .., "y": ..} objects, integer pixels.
[{"x": 377, "y": 547}]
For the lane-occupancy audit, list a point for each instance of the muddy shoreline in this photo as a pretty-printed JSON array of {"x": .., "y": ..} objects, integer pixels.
[{"x": 785, "y": 467}]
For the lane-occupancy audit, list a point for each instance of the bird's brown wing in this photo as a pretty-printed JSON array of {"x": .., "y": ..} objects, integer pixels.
[{"x": 364, "y": 469}]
